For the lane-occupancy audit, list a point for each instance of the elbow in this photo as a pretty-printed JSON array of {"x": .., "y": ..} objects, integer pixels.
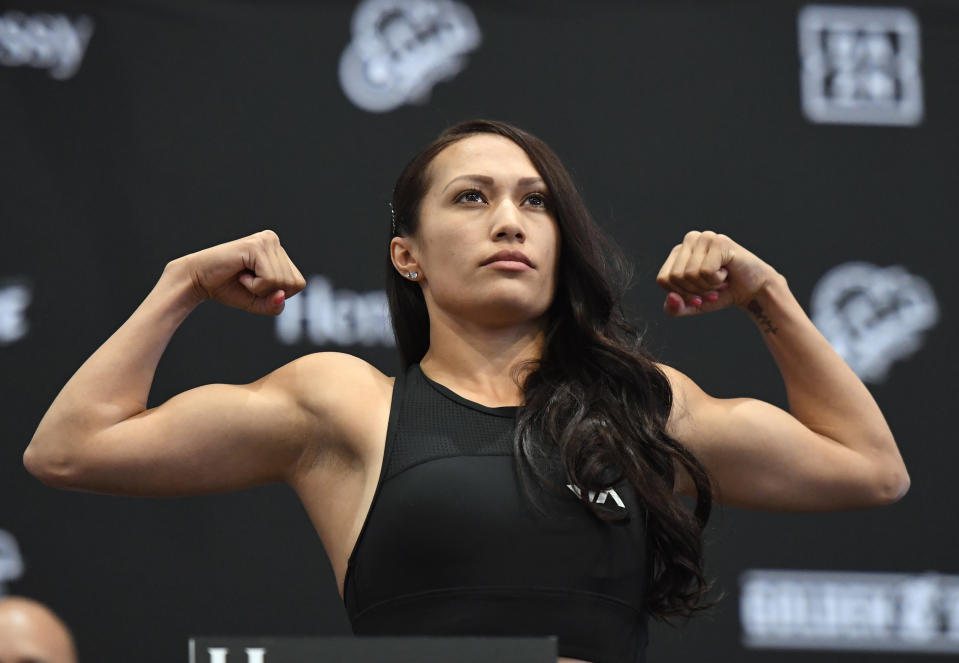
[
  {"x": 894, "y": 486},
  {"x": 903, "y": 486},
  {"x": 51, "y": 469}
]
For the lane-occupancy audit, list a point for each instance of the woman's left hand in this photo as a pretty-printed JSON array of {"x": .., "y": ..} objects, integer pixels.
[{"x": 710, "y": 271}]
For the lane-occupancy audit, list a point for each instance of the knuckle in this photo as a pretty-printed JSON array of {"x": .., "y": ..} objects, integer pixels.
[
  {"x": 269, "y": 236},
  {"x": 692, "y": 234}
]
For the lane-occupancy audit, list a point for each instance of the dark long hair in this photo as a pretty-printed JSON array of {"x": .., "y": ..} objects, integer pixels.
[{"x": 595, "y": 393}]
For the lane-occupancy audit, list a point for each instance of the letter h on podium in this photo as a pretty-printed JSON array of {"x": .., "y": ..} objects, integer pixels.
[{"x": 253, "y": 654}]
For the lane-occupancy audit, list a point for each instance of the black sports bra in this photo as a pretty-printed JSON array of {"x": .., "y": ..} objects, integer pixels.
[{"x": 452, "y": 546}]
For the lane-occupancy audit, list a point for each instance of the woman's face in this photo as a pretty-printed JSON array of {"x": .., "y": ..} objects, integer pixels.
[{"x": 487, "y": 245}]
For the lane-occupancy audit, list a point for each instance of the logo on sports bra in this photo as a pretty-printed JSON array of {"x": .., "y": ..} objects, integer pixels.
[{"x": 601, "y": 497}]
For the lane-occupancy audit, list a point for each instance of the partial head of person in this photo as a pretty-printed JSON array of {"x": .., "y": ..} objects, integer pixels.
[
  {"x": 31, "y": 633},
  {"x": 489, "y": 231}
]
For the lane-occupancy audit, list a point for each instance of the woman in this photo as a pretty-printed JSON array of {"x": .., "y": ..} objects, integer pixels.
[{"x": 522, "y": 379}]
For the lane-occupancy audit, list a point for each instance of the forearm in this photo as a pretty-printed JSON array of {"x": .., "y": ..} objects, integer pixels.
[
  {"x": 114, "y": 383},
  {"x": 823, "y": 392}
]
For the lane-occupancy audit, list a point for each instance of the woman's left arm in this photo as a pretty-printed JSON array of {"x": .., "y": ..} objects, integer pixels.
[{"x": 833, "y": 450}]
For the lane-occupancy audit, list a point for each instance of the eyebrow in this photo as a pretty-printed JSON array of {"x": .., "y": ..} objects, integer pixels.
[{"x": 489, "y": 181}]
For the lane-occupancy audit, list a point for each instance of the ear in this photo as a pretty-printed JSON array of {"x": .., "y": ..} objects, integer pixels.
[{"x": 401, "y": 253}]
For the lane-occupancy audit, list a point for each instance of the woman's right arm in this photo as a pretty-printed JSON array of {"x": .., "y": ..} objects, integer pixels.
[{"x": 98, "y": 434}]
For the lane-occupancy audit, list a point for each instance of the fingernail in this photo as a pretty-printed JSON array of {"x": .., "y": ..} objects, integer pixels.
[
  {"x": 697, "y": 302},
  {"x": 712, "y": 296},
  {"x": 673, "y": 300}
]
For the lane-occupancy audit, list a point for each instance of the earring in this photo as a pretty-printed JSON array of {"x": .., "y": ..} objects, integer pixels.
[{"x": 412, "y": 275}]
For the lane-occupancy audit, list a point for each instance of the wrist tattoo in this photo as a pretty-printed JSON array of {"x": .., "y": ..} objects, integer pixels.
[{"x": 761, "y": 317}]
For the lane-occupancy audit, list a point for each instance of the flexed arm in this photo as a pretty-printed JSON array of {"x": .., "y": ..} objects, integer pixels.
[
  {"x": 98, "y": 435},
  {"x": 832, "y": 450}
]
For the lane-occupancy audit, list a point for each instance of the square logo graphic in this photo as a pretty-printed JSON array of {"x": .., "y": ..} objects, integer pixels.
[{"x": 860, "y": 65}]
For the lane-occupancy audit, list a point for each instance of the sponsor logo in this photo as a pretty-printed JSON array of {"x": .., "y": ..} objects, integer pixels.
[
  {"x": 14, "y": 299},
  {"x": 400, "y": 49},
  {"x": 598, "y": 498},
  {"x": 860, "y": 65},
  {"x": 846, "y": 610},
  {"x": 46, "y": 41},
  {"x": 11, "y": 563},
  {"x": 873, "y": 315},
  {"x": 324, "y": 316}
]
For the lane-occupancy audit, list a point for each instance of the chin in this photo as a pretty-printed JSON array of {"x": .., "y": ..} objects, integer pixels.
[
  {"x": 503, "y": 304},
  {"x": 506, "y": 312}
]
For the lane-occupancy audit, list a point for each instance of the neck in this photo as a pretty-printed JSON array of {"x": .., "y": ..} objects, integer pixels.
[{"x": 479, "y": 362}]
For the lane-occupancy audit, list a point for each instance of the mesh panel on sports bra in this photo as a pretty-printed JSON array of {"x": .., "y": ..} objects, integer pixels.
[{"x": 446, "y": 426}]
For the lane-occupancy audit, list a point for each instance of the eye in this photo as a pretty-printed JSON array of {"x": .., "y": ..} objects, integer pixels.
[
  {"x": 470, "y": 196},
  {"x": 537, "y": 199}
]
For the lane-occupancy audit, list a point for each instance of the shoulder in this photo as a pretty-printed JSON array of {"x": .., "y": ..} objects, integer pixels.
[
  {"x": 321, "y": 364},
  {"x": 344, "y": 397},
  {"x": 689, "y": 421},
  {"x": 324, "y": 380},
  {"x": 686, "y": 397}
]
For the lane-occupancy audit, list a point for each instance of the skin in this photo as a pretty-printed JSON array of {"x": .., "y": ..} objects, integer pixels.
[
  {"x": 319, "y": 423},
  {"x": 31, "y": 633}
]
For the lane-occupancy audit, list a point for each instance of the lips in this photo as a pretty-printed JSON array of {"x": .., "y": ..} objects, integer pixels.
[{"x": 508, "y": 256}]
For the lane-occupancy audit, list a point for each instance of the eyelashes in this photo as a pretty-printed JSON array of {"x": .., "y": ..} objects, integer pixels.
[
  {"x": 469, "y": 192},
  {"x": 542, "y": 197}
]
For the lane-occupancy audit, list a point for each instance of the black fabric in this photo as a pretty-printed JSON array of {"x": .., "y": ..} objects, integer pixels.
[{"x": 452, "y": 545}]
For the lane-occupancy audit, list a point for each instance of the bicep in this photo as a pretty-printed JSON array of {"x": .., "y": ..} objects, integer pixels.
[
  {"x": 213, "y": 438},
  {"x": 759, "y": 456}
]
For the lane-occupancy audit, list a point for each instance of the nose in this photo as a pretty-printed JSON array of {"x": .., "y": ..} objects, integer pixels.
[{"x": 507, "y": 223}]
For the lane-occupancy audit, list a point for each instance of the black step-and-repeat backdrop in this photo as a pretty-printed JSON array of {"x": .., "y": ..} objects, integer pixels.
[{"x": 821, "y": 137}]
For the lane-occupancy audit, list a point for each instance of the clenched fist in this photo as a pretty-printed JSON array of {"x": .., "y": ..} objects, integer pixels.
[
  {"x": 251, "y": 273},
  {"x": 710, "y": 271}
]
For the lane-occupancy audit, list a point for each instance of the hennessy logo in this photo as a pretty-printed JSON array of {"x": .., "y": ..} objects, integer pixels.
[{"x": 324, "y": 316}]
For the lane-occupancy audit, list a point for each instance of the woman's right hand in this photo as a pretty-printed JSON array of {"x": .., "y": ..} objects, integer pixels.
[{"x": 252, "y": 273}]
